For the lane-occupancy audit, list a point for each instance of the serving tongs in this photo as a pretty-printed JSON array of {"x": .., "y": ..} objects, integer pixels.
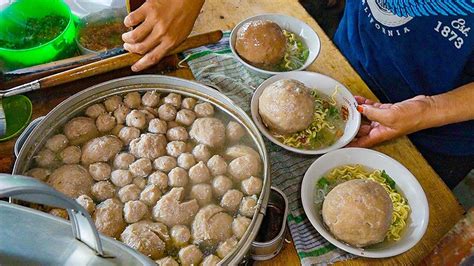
[{"x": 99, "y": 67}]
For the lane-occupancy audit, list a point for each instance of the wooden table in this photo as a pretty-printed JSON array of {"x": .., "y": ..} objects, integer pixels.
[{"x": 445, "y": 211}]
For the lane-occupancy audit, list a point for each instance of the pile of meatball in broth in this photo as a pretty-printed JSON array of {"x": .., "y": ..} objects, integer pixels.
[{"x": 169, "y": 176}]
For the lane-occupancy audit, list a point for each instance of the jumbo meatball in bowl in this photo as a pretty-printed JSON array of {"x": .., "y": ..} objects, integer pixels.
[{"x": 273, "y": 43}]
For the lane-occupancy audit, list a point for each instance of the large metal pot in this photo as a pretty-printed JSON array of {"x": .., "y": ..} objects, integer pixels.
[{"x": 78, "y": 102}]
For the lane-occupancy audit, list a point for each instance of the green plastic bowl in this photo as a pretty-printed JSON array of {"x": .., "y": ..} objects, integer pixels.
[{"x": 13, "y": 19}]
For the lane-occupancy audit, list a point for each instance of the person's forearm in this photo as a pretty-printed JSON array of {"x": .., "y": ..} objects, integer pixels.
[{"x": 450, "y": 107}]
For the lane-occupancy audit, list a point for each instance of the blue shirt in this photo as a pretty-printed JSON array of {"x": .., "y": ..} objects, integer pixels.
[{"x": 414, "y": 50}]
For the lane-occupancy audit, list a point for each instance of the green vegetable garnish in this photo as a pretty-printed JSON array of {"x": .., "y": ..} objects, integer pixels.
[
  {"x": 323, "y": 183},
  {"x": 333, "y": 111},
  {"x": 390, "y": 181}
]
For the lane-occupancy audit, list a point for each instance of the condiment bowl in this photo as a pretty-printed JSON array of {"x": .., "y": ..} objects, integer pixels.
[
  {"x": 406, "y": 184},
  {"x": 305, "y": 32},
  {"x": 320, "y": 83}
]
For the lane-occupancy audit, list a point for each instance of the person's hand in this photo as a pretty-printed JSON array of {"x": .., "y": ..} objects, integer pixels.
[
  {"x": 162, "y": 25},
  {"x": 389, "y": 121}
]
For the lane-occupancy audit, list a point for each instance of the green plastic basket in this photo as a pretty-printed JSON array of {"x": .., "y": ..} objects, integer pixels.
[{"x": 14, "y": 18}]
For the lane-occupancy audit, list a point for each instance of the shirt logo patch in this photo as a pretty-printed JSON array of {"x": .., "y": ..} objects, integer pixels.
[{"x": 383, "y": 15}]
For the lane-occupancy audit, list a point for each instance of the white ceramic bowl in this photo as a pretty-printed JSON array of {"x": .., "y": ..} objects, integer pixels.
[
  {"x": 320, "y": 83},
  {"x": 406, "y": 183},
  {"x": 305, "y": 32}
]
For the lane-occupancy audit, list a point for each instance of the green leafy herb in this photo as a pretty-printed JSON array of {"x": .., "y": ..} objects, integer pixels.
[
  {"x": 323, "y": 183},
  {"x": 390, "y": 181},
  {"x": 333, "y": 112}
]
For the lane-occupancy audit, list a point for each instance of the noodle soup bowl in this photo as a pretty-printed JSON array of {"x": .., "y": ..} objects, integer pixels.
[
  {"x": 406, "y": 184},
  {"x": 321, "y": 84},
  {"x": 307, "y": 35}
]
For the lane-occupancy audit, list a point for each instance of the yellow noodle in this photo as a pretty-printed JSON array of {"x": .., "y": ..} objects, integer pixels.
[{"x": 401, "y": 209}]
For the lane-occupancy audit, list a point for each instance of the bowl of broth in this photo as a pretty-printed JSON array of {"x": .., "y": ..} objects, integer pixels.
[
  {"x": 335, "y": 123},
  {"x": 301, "y": 49},
  {"x": 410, "y": 214}
]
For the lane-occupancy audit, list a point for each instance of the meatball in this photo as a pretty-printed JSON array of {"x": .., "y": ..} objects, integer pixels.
[
  {"x": 133, "y": 211},
  {"x": 72, "y": 180},
  {"x": 170, "y": 210},
  {"x": 186, "y": 160},
  {"x": 202, "y": 153},
  {"x": 208, "y": 131},
  {"x": 217, "y": 165},
  {"x": 116, "y": 130},
  {"x": 127, "y": 134},
  {"x": 202, "y": 193},
  {"x": 226, "y": 247},
  {"x": 147, "y": 237},
  {"x": 141, "y": 167},
  {"x": 204, "y": 110},
  {"x": 105, "y": 123},
  {"x": 46, "y": 158},
  {"x": 160, "y": 179},
  {"x": 71, "y": 155},
  {"x": 167, "y": 261},
  {"x": 237, "y": 151},
  {"x": 136, "y": 119},
  {"x": 149, "y": 113},
  {"x": 151, "y": 99},
  {"x": 173, "y": 99},
  {"x": 177, "y": 133},
  {"x": 176, "y": 148},
  {"x": 231, "y": 200},
  {"x": 108, "y": 218},
  {"x": 180, "y": 235},
  {"x": 149, "y": 146},
  {"x": 61, "y": 213},
  {"x": 221, "y": 184},
  {"x": 80, "y": 130},
  {"x": 157, "y": 126},
  {"x": 261, "y": 43},
  {"x": 150, "y": 195},
  {"x": 210, "y": 260},
  {"x": 87, "y": 203},
  {"x": 121, "y": 177},
  {"x": 286, "y": 106},
  {"x": 178, "y": 177},
  {"x": 129, "y": 192},
  {"x": 140, "y": 182},
  {"x": 123, "y": 160},
  {"x": 240, "y": 225},
  {"x": 248, "y": 206},
  {"x": 252, "y": 185},
  {"x": 185, "y": 117},
  {"x": 167, "y": 112},
  {"x": 243, "y": 167},
  {"x": 132, "y": 100},
  {"x": 211, "y": 225},
  {"x": 234, "y": 131},
  {"x": 199, "y": 173},
  {"x": 165, "y": 163},
  {"x": 100, "y": 149},
  {"x": 57, "y": 142},
  {"x": 112, "y": 103},
  {"x": 95, "y": 110},
  {"x": 188, "y": 103},
  {"x": 100, "y": 171},
  {"x": 121, "y": 113},
  {"x": 39, "y": 173},
  {"x": 190, "y": 255},
  {"x": 358, "y": 212},
  {"x": 103, "y": 190}
]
